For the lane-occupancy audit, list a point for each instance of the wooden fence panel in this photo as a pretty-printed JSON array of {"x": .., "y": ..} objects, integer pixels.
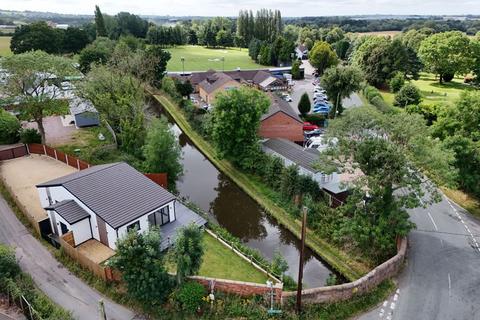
[
  {"x": 50, "y": 152},
  {"x": 83, "y": 165},
  {"x": 158, "y": 178},
  {"x": 72, "y": 161},
  {"x": 61, "y": 156},
  {"x": 36, "y": 148}
]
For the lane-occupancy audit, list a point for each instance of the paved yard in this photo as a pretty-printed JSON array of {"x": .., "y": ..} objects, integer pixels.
[
  {"x": 95, "y": 251},
  {"x": 21, "y": 175},
  {"x": 57, "y": 132}
]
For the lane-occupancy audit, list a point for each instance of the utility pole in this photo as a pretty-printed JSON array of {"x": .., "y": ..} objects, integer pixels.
[
  {"x": 223, "y": 64},
  {"x": 183, "y": 65},
  {"x": 101, "y": 307},
  {"x": 300, "y": 267}
]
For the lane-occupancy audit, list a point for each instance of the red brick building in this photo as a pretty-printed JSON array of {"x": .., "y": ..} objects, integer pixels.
[{"x": 281, "y": 121}]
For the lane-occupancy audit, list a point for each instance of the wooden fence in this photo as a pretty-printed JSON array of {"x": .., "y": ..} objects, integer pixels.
[
  {"x": 34, "y": 148},
  {"x": 13, "y": 151},
  {"x": 104, "y": 272}
]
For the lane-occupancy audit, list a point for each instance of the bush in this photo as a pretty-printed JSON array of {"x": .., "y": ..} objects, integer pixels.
[
  {"x": 397, "y": 82},
  {"x": 408, "y": 95},
  {"x": 189, "y": 297},
  {"x": 370, "y": 92},
  {"x": 448, "y": 77},
  {"x": 8, "y": 263},
  {"x": 317, "y": 119},
  {"x": 30, "y": 136},
  {"x": 168, "y": 85},
  {"x": 380, "y": 104},
  {"x": 304, "y": 104},
  {"x": 296, "y": 74},
  {"x": 9, "y": 127}
]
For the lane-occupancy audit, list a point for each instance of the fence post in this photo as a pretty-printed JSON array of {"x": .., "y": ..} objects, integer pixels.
[
  {"x": 28, "y": 149},
  {"x": 55, "y": 151},
  {"x": 78, "y": 164},
  {"x": 44, "y": 149}
]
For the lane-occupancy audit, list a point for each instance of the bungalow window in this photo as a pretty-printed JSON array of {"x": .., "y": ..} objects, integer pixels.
[
  {"x": 135, "y": 225},
  {"x": 159, "y": 217}
]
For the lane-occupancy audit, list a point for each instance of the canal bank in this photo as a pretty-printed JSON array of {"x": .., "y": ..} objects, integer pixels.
[{"x": 337, "y": 259}]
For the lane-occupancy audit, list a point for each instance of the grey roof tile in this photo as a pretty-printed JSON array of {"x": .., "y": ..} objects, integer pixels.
[
  {"x": 70, "y": 211},
  {"x": 293, "y": 152}
]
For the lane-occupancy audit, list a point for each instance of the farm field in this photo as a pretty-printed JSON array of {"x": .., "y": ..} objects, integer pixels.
[
  {"x": 379, "y": 33},
  {"x": 199, "y": 58},
  {"x": 5, "y": 46},
  {"x": 434, "y": 92}
]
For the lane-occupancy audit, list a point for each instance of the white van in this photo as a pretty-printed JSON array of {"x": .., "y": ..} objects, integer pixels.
[{"x": 320, "y": 143}]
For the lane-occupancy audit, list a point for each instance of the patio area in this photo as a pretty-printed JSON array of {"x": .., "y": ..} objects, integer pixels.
[{"x": 96, "y": 251}]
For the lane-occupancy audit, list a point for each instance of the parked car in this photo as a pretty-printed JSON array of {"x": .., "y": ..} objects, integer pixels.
[
  {"x": 287, "y": 98},
  {"x": 320, "y": 143},
  {"x": 193, "y": 100},
  {"x": 320, "y": 99},
  {"x": 307, "y": 126},
  {"x": 319, "y": 90},
  {"x": 207, "y": 107},
  {"x": 313, "y": 133}
]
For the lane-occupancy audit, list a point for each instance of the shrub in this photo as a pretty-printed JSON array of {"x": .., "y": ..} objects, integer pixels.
[
  {"x": 296, "y": 74},
  {"x": 30, "y": 135},
  {"x": 397, "y": 82},
  {"x": 189, "y": 297},
  {"x": 9, "y": 127},
  {"x": 408, "y": 95},
  {"x": 168, "y": 85},
  {"x": 8, "y": 264},
  {"x": 380, "y": 104},
  {"x": 448, "y": 77},
  {"x": 370, "y": 92},
  {"x": 304, "y": 104},
  {"x": 317, "y": 119}
]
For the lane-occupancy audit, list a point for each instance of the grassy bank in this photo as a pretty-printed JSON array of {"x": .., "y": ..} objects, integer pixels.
[
  {"x": 198, "y": 58},
  {"x": 5, "y": 46},
  {"x": 336, "y": 258},
  {"x": 466, "y": 201}
]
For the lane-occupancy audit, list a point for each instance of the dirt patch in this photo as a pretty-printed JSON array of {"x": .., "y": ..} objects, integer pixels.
[
  {"x": 21, "y": 175},
  {"x": 56, "y": 132}
]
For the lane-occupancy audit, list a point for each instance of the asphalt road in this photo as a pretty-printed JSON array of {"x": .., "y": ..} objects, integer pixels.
[
  {"x": 50, "y": 276},
  {"x": 307, "y": 86},
  {"x": 441, "y": 279}
]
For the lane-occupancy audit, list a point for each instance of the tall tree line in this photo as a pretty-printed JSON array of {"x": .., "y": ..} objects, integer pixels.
[{"x": 267, "y": 25}]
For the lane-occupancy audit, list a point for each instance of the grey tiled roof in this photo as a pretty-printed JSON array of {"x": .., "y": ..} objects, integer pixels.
[
  {"x": 70, "y": 211},
  {"x": 215, "y": 81},
  {"x": 292, "y": 152},
  {"x": 116, "y": 192},
  {"x": 280, "y": 105}
]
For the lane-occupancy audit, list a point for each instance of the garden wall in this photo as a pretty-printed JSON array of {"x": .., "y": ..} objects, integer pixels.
[
  {"x": 238, "y": 287},
  {"x": 345, "y": 291}
]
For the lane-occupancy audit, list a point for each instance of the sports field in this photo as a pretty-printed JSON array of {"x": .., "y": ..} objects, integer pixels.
[
  {"x": 198, "y": 58},
  {"x": 433, "y": 91},
  {"x": 5, "y": 46}
]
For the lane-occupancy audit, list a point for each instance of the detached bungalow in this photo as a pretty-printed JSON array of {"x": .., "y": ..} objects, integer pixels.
[
  {"x": 104, "y": 202},
  {"x": 214, "y": 84},
  {"x": 293, "y": 154}
]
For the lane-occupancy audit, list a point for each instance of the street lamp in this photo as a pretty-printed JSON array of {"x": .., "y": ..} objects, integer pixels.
[
  {"x": 183, "y": 65},
  {"x": 223, "y": 64}
]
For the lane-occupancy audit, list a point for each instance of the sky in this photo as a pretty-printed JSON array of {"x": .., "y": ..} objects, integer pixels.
[{"x": 288, "y": 8}]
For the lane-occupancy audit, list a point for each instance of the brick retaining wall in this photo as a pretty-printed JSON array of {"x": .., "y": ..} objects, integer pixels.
[
  {"x": 345, "y": 291},
  {"x": 238, "y": 287}
]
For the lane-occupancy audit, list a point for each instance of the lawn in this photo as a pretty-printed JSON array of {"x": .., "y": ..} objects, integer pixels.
[
  {"x": 5, "y": 46},
  {"x": 434, "y": 92},
  {"x": 221, "y": 262},
  {"x": 199, "y": 58}
]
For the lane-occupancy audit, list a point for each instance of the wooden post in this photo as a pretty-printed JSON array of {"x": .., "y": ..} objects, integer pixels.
[{"x": 300, "y": 267}]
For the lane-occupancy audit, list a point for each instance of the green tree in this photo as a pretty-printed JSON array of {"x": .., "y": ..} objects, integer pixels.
[
  {"x": 372, "y": 56},
  {"x": 100, "y": 23},
  {"x": 296, "y": 74},
  {"x": 322, "y": 56},
  {"x": 304, "y": 104},
  {"x": 161, "y": 151},
  {"x": 9, "y": 127},
  {"x": 409, "y": 94},
  {"x": 158, "y": 58},
  {"x": 184, "y": 88},
  {"x": 224, "y": 38},
  {"x": 397, "y": 82},
  {"x": 9, "y": 267},
  {"x": 235, "y": 122},
  {"x": 340, "y": 82},
  {"x": 393, "y": 153},
  {"x": 98, "y": 52},
  {"x": 447, "y": 53},
  {"x": 188, "y": 251},
  {"x": 74, "y": 40},
  {"x": 139, "y": 259},
  {"x": 32, "y": 80},
  {"x": 36, "y": 36}
]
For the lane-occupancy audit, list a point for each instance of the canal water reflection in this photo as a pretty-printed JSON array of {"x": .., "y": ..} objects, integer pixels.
[{"x": 212, "y": 191}]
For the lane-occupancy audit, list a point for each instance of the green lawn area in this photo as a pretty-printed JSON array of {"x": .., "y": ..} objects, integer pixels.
[
  {"x": 433, "y": 91},
  {"x": 199, "y": 58},
  {"x": 5, "y": 46},
  {"x": 221, "y": 262}
]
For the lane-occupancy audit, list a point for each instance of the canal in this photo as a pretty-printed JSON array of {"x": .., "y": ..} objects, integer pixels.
[{"x": 204, "y": 185}]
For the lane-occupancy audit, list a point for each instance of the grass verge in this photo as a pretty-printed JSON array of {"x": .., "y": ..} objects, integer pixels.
[
  {"x": 222, "y": 263},
  {"x": 465, "y": 200},
  {"x": 336, "y": 258}
]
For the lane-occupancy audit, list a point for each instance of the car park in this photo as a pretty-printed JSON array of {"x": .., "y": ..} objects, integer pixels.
[{"x": 287, "y": 98}]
